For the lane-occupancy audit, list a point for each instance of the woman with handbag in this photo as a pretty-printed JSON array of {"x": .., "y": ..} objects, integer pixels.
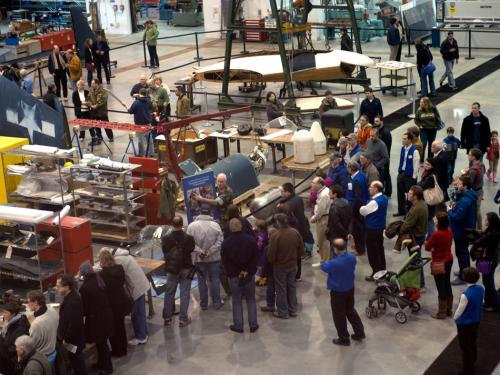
[
  {"x": 428, "y": 119},
  {"x": 121, "y": 304},
  {"x": 439, "y": 244},
  {"x": 433, "y": 195},
  {"x": 425, "y": 68},
  {"x": 485, "y": 253}
]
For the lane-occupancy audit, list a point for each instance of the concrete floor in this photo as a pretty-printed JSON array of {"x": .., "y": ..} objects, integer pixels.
[{"x": 301, "y": 345}]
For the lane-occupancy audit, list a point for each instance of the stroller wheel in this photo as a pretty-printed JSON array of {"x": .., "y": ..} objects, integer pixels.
[
  {"x": 400, "y": 317},
  {"x": 381, "y": 303},
  {"x": 415, "y": 307}
]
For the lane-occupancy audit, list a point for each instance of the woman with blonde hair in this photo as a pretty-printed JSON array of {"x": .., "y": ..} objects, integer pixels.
[
  {"x": 428, "y": 120},
  {"x": 121, "y": 303}
]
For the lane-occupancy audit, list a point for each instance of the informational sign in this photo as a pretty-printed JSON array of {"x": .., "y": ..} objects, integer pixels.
[
  {"x": 202, "y": 184},
  {"x": 24, "y": 116}
]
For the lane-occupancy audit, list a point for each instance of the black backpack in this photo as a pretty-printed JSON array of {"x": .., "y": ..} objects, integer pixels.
[{"x": 174, "y": 259}]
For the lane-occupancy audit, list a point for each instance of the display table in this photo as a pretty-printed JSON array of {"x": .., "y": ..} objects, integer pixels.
[
  {"x": 150, "y": 266},
  {"x": 232, "y": 135},
  {"x": 312, "y": 104},
  {"x": 320, "y": 161},
  {"x": 398, "y": 70}
]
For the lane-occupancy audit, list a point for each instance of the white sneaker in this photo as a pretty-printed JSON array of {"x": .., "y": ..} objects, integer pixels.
[
  {"x": 135, "y": 342},
  {"x": 316, "y": 265}
]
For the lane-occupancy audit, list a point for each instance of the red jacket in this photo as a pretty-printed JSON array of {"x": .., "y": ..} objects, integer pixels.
[{"x": 440, "y": 244}]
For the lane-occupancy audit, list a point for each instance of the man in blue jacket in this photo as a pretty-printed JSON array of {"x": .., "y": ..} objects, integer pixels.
[
  {"x": 463, "y": 215},
  {"x": 449, "y": 51},
  {"x": 393, "y": 39},
  {"x": 341, "y": 270},
  {"x": 357, "y": 196},
  {"x": 142, "y": 108},
  {"x": 337, "y": 172}
]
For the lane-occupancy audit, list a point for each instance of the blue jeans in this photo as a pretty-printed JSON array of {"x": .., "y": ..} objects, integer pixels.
[
  {"x": 462, "y": 253},
  {"x": 237, "y": 293},
  {"x": 451, "y": 170},
  {"x": 427, "y": 136},
  {"x": 209, "y": 271},
  {"x": 145, "y": 144},
  {"x": 270, "y": 292},
  {"x": 423, "y": 84},
  {"x": 138, "y": 316},
  {"x": 491, "y": 298},
  {"x": 169, "y": 300},
  {"x": 73, "y": 84},
  {"x": 286, "y": 291},
  {"x": 448, "y": 64}
]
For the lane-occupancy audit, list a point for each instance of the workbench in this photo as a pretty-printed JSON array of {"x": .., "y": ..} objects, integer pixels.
[
  {"x": 394, "y": 67},
  {"x": 150, "y": 267},
  {"x": 320, "y": 161},
  {"x": 231, "y": 134}
]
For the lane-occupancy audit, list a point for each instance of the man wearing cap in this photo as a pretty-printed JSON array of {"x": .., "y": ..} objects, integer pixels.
[
  {"x": 357, "y": 196},
  {"x": 15, "y": 325},
  {"x": 337, "y": 173}
]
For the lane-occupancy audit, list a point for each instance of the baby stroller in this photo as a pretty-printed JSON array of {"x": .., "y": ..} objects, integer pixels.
[{"x": 398, "y": 289}]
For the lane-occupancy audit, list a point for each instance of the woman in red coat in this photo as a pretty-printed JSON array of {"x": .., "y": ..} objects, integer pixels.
[{"x": 440, "y": 244}]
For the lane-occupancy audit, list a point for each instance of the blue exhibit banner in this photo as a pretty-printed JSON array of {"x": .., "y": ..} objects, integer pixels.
[
  {"x": 24, "y": 116},
  {"x": 202, "y": 184}
]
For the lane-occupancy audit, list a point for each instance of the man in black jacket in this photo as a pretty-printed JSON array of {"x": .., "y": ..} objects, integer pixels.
[
  {"x": 70, "y": 330},
  {"x": 475, "y": 131},
  {"x": 386, "y": 137},
  {"x": 371, "y": 106},
  {"x": 15, "y": 325},
  {"x": 449, "y": 51},
  {"x": 101, "y": 58},
  {"x": 57, "y": 67},
  {"x": 177, "y": 248},
  {"x": 441, "y": 166},
  {"x": 296, "y": 205},
  {"x": 239, "y": 253},
  {"x": 339, "y": 217}
]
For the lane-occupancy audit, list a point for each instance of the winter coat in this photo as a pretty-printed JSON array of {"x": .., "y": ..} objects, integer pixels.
[
  {"x": 446, "y": 46},
  {"x": 274, "y": 110},
  {"x": 141, "y": 108},
  {"x": 393, "y": 36},
  {"x": 75, "y": 68},
  {"x": 427, "y": 119},
  {"x": 424, "y": 57},
  {"x": 371, "y": 172},
  {"x": 101, "y": 46},
  {"x": 441, "y": 171},
  {"x": 19, "y": 326},
  {"x": 71, "y": 320},
  {"x": 239, "y": 252},
  {"x": 371, "y": 109},
  {"x": 51, "y": 65},
  {"x": 339, "y": 176},
  {"x": 136, "y": 282},
  {"x": 168, "y": 199},
  {"x": 183, "y": 107},
  {"x": 285, "y": 248},
  {"x": 296, "y": 205},
  {"x": 186, "y": 243},
  {"x": 151, "y": 35},
  {"x": 208, "y": 238},
  {"x": 34, "y": 363},
  {"x": 77, "y": 103},
  {"x": 339, "y": 219},
  {"x": 463, "y": 215},
  {"x": 327, "y": 105},
  {"x": 99, "y": 97},
  {"x": 96, "y": 310},
  {"x": 416, "y": 220},
  {"x": 467, "y": 132},
  {"x": 118, "y": 298}
]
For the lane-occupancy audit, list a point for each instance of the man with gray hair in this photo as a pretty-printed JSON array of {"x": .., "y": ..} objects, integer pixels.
[
  {"x": 208, "y": 239},
  {"x": 441, "y": 166},
  {"x": 25, "y": 82},
  {"x": 320, "y": 217},
  {"x": 224, "y": 198},
  {"x": 285, "y": 248},
  {"x": 30, "y": 362},
  {"x": 376, "y": 151},
  {"x": 375, "y": 213}
]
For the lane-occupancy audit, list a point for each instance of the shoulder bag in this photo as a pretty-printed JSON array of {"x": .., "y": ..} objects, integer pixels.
[
  {"x": 437, "y": 268},
  {"x": 434, "y": 195}
]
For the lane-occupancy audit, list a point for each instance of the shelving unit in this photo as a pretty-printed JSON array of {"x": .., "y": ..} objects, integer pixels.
[
  {"x": 107, "y": 199},
  {"x": 48, "y": 167},
  {"x": 27, "y": 255}
]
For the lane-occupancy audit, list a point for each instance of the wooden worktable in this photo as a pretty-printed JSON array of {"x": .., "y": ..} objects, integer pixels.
[
  {"x": 320, "y": 161},
  {"x": 150, "y": 266}
]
